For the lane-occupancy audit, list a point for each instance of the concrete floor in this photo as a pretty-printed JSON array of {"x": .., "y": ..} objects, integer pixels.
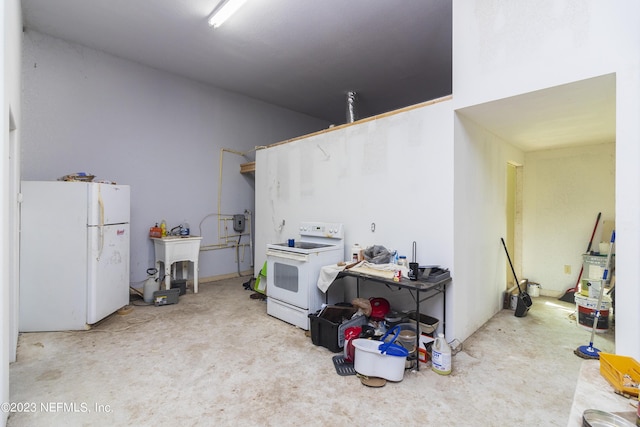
[{"x": 217, "y": 358}]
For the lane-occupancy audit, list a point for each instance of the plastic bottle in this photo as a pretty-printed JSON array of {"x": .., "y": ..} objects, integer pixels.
[
  {"x": 402, "y": 260},
  {"x": 356, "y": 253},
  {"x": 184, "y": 228},
  {"x": 155, "y": 231},
  {"x": 441, "y": 356},
  {"x": 163, "y": 228}
]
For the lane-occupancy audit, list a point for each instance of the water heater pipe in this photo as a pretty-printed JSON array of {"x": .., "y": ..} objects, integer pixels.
[{"x": 352, "y": 114}]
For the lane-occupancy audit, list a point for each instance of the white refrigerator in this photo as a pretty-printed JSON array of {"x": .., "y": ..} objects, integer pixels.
[{"x": 74, "y": 254}]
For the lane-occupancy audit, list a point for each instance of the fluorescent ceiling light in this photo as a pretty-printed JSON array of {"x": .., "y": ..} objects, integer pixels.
[{"x": 223, "y": 13}]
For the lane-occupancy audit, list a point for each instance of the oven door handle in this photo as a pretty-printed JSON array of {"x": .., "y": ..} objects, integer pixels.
[{"x": 287, "y": 255}]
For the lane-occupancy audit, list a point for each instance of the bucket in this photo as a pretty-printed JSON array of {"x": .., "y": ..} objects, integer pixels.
[
  {"x": 520, "y": 303},
  {"x": 513, "y": 302},
  {"x": 370, "y": 362},
  {"x": 590, "y": 287},
  {"x": 382, "y": 359},
  {"x": 586, "y": 308},
  {"x": 407, "y": 339},
  {"x": 533, "y": 289},
  {"x": 593, "y": 288}
]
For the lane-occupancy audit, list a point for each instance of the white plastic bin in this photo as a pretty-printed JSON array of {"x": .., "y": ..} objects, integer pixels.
[{"x": 370, "y": 362}]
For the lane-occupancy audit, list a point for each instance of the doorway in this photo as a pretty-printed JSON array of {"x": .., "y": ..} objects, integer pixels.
[{"x": 514, "y": 221}]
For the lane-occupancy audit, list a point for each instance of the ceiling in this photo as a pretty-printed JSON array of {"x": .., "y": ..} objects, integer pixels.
[
  {"x": 301, "y": 55},
  {"x": 578, "y": 113},
  {"x": 306, "y": 55}
]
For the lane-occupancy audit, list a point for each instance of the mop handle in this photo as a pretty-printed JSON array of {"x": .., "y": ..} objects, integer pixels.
[
  {"x": 605, "y": 274},
  {"x": 511, "y": 265}
]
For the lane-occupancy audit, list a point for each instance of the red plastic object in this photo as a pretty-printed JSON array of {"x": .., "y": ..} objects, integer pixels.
[
  {"x": 349, "y": 335},
  {"x": 379, "y": 308}
]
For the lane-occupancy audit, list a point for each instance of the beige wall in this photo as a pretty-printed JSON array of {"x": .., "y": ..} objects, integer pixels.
[{"x": 564, "y": 190}]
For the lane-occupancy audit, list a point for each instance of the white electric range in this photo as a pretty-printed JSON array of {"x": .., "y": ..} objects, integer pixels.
[{"x": 292, "y": 272}]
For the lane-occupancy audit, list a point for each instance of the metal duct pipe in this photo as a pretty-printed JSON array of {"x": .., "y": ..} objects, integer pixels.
[{"x": 352, "y": 115}]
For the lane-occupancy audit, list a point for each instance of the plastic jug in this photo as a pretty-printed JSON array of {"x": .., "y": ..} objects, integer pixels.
[
  {"x": 441, "y": 356},
  {"x": 151, "y": 285}
]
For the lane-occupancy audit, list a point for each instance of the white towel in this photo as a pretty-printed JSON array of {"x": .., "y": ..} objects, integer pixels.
[
  {"x": 328, "y": 274},
  {"x": 387, "y": 271}
]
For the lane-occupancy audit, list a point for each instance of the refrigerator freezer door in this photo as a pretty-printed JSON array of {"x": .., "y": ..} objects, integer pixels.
[
  {"x": 53, "y": 257},
  {"x": 108, "y": 270},
  {"x": 108, "y": 204}
]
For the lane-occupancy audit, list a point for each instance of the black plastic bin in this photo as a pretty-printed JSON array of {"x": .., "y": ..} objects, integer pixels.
[
  {"x": 180, "y": 284},
  {"x": 328, "y": 326}
]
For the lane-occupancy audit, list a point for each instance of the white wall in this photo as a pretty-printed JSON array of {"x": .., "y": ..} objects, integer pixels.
[
  {"x": 486, "y": 67},
  {"x": 564, "y": 191},
  {"x": 504, "y": 48},
  {"x": 394, "y": 171},
  {"x": 85, "y": 110},
  {"x": 480, "y": 184},
  {"x": 10, "y": 124}
]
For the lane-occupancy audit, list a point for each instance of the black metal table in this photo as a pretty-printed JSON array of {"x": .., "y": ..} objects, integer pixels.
[{"x": 415, "y": 287}]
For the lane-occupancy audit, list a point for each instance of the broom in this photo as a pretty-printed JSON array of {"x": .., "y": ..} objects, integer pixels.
[{"x": 589, "y": 351}]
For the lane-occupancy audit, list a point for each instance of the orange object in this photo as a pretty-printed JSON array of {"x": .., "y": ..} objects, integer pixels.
[
  {"x": 155, "y": 231},
  {"x": 621, "y": 371}
]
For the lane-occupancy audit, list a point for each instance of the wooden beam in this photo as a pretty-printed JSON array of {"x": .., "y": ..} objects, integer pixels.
[
  {"x": 248, "y": 167},
  {"x": 367, "y": 119}
]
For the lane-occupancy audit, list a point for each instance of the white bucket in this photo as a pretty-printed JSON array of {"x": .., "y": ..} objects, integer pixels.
[
  {"x": 533, "y": 289},
  {"x": 593, "y": 288},
  {"x": 370, "y": 362},
  {"x": 513, "y": 301},
  {"x": 586, "y": 308},
  {"x": 593, "y": 302}
]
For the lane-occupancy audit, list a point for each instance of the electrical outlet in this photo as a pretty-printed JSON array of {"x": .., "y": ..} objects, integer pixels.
[
  {"x": 238, "y": 223},
  {"x": 567, "y": 269}
]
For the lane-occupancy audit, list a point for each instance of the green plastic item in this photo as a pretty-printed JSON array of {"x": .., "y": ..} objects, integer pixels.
[{"x": 258, "y": 287}]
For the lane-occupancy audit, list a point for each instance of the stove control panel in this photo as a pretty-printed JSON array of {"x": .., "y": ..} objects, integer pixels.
[{"x": 322, "y": 229}]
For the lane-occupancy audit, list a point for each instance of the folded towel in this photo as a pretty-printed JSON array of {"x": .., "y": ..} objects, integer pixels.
[
  {"x": 328, "y": 274},
  {"x": 386, "y": 271}
]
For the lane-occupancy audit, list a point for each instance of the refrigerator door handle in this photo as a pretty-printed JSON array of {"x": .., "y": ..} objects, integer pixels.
[{"x": 101, "y": 223}]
